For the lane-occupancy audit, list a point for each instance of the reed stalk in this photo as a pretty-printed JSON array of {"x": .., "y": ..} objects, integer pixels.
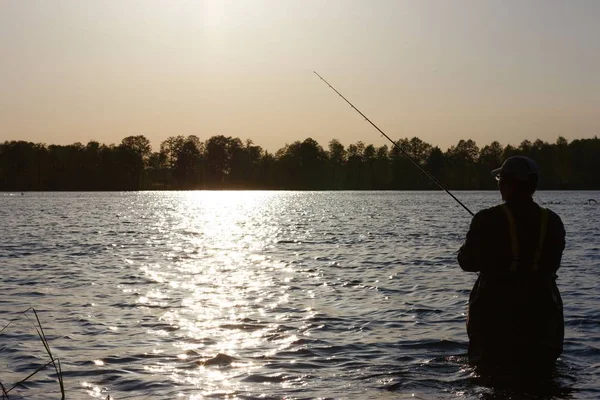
[{"x": 54, "y": 361}]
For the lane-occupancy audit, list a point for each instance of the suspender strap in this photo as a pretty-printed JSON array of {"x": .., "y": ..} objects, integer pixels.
[
  {"x": 543, "y": 229},
  {"x": 514, "y": 242}
]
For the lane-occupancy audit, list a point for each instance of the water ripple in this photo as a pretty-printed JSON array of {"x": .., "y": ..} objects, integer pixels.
[{"x": 267, "y": 295}]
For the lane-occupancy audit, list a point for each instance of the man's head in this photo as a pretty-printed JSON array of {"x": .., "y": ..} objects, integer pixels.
[{"x": 518, "y": 177}]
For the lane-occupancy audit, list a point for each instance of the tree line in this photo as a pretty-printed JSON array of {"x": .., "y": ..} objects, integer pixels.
[{"x": 229, "y": 163}]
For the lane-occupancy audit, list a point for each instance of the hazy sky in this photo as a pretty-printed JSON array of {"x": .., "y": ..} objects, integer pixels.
[{"x": 101, "y": 70}]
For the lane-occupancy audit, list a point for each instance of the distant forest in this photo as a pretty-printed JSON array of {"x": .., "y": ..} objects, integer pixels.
[{"x": 229, "y": 163}]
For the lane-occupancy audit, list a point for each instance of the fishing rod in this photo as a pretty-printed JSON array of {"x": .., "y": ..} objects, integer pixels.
[{"x": 397, "y": 145}]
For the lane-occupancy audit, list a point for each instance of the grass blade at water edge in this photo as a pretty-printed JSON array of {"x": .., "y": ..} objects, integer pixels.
[
  {"x": 14, "y": 319},
  {"x": 42, "y": 336},
  {"x": 4, "y": 392},
  {"x": 29, "y": 376}
]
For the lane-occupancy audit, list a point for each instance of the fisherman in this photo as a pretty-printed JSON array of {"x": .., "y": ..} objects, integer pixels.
[{"x": 515, "y": 315}]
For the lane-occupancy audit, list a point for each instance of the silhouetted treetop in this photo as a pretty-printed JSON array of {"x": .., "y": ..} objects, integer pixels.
[{"x": 222, "y": 162}]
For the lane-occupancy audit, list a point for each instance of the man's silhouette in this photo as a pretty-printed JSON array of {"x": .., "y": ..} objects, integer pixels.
[{"x": 515, "y": 309}]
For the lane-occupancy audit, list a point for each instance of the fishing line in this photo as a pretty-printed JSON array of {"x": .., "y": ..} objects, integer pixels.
[{"x": 397, "y": 145}]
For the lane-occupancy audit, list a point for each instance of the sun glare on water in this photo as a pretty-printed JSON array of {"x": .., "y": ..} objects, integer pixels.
[{"x": 219, "y": 286}]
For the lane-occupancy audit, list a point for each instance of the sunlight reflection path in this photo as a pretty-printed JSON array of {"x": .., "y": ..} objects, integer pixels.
[{"x": 219, "y": 287}]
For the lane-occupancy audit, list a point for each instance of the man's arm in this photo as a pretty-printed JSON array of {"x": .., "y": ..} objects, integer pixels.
[
  {"x": 555, "y": 244},
  {"x": 469, "y": 253}
]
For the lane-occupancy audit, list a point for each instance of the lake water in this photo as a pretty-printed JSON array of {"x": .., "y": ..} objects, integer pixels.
[{"x": 197, "y": 295}]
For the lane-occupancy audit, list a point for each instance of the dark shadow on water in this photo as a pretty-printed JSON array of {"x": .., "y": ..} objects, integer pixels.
[
  {"x": 454, "y": 376},
  {"x": 522, "y": 384}
]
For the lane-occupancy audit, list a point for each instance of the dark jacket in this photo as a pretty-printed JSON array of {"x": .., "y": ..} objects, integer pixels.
[{"x": 515, "y": 308}]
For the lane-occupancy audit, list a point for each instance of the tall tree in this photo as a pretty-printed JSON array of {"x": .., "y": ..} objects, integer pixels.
[
  {"x": 381, "y": 169},
  {"x": 337, "y": 160},
  {"x": 462, "y": 159},
  {"x": 133, "y": 154},
  {"x": 187, "y": 170},
  {"x": 490, "y": 158},
  {"x": 354, "y": 166},
  {"x": 216, "y": 160}
]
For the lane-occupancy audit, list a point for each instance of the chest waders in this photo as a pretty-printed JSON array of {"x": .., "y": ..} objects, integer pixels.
[
  {"x": 531, "y": 333},
  {"x": 514, "y": 240}
]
